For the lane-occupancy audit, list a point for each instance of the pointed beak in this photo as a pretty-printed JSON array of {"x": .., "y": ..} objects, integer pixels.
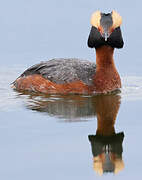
[
  {"x": 106, "y": 32},
  {"x": 106, "y": 35},
  {"x": 106, "y": 24}
]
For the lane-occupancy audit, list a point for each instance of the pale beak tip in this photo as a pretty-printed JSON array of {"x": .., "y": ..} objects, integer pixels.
[{"x": 106, "y": 36}]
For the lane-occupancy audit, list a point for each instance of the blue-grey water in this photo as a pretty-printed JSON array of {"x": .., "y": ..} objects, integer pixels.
[{"x": 46, "y": 137}]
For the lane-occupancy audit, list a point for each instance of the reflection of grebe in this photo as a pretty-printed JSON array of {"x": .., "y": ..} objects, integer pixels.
[
  {"x": 74, "y": 76},
  {"x": 71, "y": 108},
  {"x": 106, "y": 144}
]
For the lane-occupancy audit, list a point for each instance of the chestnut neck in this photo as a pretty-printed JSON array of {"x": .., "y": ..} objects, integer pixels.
[
  {"x": 106, "y": 78},
  {"x": 104, "y": 57}
]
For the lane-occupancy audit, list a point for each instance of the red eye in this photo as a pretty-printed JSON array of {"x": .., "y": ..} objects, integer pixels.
[
  {"x": 112, "y": 30},
  {"x": 99, "y": 29}
]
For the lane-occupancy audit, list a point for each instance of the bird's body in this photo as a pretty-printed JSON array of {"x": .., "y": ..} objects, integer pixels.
[
  {"x": 74, "y": 76},
  {"x": 61, "y": 76}
]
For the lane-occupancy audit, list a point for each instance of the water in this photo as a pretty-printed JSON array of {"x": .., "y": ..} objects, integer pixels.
[
  {"x": 67, "y": 137},
  {"x": 48, "y": 136}
]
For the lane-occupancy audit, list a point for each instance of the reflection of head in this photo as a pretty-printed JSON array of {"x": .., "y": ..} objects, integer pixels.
[
  {"x": 106, "y": 144},
  {"x": 107, "y": 153},
  {"x": 113, "y": 166}
]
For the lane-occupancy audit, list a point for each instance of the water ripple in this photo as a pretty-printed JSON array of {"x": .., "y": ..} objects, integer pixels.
[{"x": 131, "y": 89}]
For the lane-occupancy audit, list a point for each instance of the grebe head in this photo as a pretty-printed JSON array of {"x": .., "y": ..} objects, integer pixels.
[{"x": 105, "y": 30}]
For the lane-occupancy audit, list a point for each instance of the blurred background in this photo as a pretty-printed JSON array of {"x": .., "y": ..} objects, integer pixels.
[{"x": 36, "y": 30}]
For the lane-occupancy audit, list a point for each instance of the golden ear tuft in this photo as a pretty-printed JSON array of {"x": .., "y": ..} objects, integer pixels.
[
  {"x": 98, "y": 167},
  {"x": 95, "y": 19},
  {"x": 119, "y": 165},
  {"x": 117, "y": 19}
]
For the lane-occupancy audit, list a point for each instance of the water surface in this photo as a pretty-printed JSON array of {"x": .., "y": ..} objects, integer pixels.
[{"x": 68, "y": 136}]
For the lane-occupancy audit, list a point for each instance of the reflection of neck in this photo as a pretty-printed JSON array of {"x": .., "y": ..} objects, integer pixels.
[
  {"x": 107, "y": 108},
  {"x": 106, "y": 77},
  {"x": 105, "y": 126}
]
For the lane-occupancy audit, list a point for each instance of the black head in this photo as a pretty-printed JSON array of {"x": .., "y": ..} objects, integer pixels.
[{"x": 105, "y": 30}]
